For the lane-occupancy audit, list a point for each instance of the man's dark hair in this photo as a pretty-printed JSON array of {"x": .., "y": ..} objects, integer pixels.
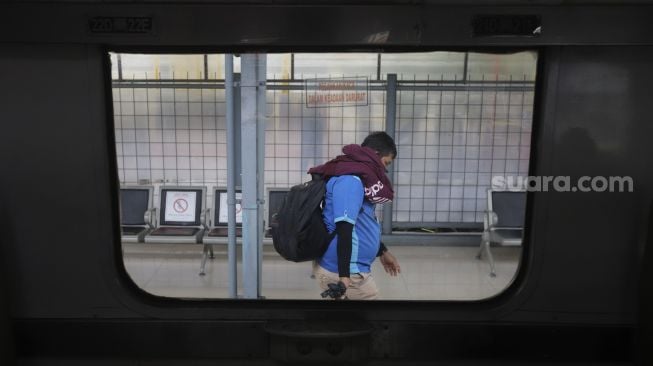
[{"x": 381, "y": 142}]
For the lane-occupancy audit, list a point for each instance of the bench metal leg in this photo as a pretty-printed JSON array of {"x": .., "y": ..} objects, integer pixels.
[
  {"x": 479, "y": 255},
  {"x": 485, "y": 237},
  {"x": 490, "y": 258},
  {"x": 485, "y": 246},
  {"x": 211, "y": 251},
  {"x": 205, "y": 252}
]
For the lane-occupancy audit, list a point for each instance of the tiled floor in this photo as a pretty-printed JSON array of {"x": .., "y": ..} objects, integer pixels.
[{"x": 428, "y": 273}]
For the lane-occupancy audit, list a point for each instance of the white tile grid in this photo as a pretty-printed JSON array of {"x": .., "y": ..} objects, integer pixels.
[
  {"x": 469, "y": 151},
  {"x": 428, "y": 273},
  {"x": 446, "y": 141}
]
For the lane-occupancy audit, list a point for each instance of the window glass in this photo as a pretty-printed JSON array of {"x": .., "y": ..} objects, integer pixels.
[
  {"x": 141, "y": 66},
  {"x": 324, "y": 65},
  {"x": 519, "y": 66},
  {"x": 279, "y": 66},
  {"x": 216, "y": 66},
  {"x": 424, "y": 66},
  {"x": 453, "y": 139}
]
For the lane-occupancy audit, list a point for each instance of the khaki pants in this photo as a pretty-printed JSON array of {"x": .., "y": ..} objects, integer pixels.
[{"x": 362, "y": 285}]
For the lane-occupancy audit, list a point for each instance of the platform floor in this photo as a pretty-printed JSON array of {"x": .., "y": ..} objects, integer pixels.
[{"x": 428, "y": 273}]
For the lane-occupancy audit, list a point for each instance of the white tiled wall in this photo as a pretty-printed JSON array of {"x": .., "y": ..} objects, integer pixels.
[{"x": 450, "y": 143}]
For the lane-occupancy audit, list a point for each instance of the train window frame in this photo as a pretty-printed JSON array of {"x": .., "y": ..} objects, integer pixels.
[{"x": 501, "y": 298}]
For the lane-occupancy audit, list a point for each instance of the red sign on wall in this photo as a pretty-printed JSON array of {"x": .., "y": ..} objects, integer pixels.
[{"x": 334, "y": 92}]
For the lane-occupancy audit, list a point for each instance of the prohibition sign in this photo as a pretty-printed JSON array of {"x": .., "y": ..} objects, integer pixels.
[{"x": 180, "y": 205}]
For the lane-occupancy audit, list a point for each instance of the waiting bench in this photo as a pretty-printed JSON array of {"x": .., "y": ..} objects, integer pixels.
[
  {"x": 135, "y": 213},
  {"x": 503, "y": 222},
  {"x": 217, "y": 226},
  {"x": 179, "y": 217},
  {"x": 217, "y": 222}
]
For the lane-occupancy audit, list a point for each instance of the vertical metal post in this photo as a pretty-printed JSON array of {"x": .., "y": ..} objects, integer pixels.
[
  {"x": 292, "y": 66},
  {"x": 378, "y": 66},
  {"x": 231, "y": 176},
  {"x": 206, "y": 68},
  {"x": 250, "y": 113},
  {"x": 261, "y": 123},
  {"x": 465, "y": 67},
  {"x": 119, "y": 57},
  {"x": 390, "y": 116},
  {"x": 237, "y": 139}
]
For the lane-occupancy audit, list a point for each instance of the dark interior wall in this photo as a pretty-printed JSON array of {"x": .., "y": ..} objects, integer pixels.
[
  {"x": 595, "y": 112},
  {"x": 7, "y": 345},
  {"x": 55, "y": 181},
  {"x": 57, "y": 188},
  {"x": 66, "y": 291},
  {"x": 57, "y": 196}
]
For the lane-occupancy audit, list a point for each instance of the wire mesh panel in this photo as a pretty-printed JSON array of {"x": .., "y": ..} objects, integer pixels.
[
  {"x": 299, "y": 137},
  {"x": 170, "y": 135},
  {"x": 452, "y": 137}
]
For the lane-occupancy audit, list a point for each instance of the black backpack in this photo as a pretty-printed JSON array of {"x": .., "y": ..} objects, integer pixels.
[{"x": 298, "y": 231}]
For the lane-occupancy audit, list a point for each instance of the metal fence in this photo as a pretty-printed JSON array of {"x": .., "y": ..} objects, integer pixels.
[{"x": 452, "y": 137}]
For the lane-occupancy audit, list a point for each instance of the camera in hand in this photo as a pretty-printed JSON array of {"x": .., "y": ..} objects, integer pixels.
[{"x": 335, "y": 290}]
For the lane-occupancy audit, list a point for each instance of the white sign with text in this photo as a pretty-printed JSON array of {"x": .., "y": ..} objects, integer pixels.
[{"x": 180, "y": 206}]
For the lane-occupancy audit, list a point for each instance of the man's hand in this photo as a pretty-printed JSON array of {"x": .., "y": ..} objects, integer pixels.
[{"x": 390, "y": 263}]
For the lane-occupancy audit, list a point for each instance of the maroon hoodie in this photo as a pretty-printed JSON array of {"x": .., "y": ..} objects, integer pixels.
[{"x": 364, "y": 163}]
